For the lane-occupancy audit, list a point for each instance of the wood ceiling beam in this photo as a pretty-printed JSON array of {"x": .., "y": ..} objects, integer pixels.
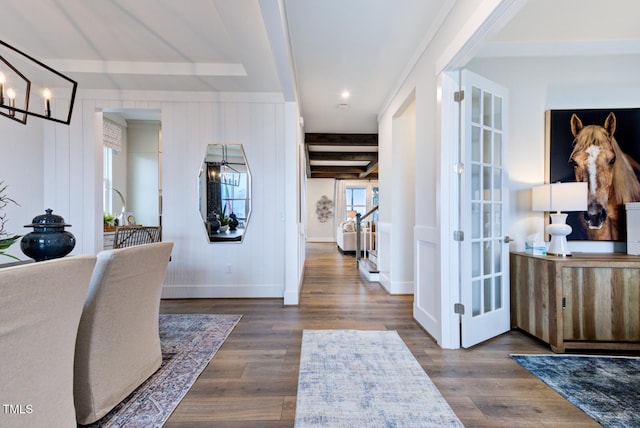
[
  {"x": 371, "y": 168},
  {"x": 344, "y": 156},
  {"x": 337, "y": 169},
  {"x": 349, "y": 143},
  {"x": 306, "y": 153},
  {"x": 320, "y": 139},
  {"x": 342, "y": 176}
]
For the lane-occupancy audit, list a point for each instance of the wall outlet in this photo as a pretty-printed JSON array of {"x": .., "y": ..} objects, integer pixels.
[{"x": 229, "y": 268}]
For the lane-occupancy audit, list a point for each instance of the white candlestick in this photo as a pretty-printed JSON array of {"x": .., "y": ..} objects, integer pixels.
[
  {"x": 3, "y": 79},
  {"x": 11, "y": 93},
  {"x": 47, "y": 101}
]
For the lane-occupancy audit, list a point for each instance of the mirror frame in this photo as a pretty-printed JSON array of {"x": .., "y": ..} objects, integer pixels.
[{"x": 223, "y": 169}]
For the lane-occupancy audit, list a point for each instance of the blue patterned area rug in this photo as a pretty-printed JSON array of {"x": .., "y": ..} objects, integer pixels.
[
  {"x": 188, "y": 343},
  {"x": 353, "y": 378},
  {"x": 605, "y": 388}
]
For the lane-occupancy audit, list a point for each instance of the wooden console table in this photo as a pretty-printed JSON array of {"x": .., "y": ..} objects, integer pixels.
[{"x": 586, "y": 301}]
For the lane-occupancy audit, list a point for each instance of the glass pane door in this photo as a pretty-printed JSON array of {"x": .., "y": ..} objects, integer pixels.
[{"x": 485, "y": 282}]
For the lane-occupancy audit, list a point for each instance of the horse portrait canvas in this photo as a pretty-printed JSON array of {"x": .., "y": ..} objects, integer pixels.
[{"x": 602, "y": 148}]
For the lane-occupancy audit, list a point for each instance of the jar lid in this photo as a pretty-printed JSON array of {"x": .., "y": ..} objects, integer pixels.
[{"x": 47, "y": 220}]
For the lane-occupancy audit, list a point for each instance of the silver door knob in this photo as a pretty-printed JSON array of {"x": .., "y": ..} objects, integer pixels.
[{"x": 507, "y": 239}]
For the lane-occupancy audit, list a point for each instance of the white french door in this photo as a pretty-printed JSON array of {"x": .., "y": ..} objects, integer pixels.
[{"x": 484, "y": 288}]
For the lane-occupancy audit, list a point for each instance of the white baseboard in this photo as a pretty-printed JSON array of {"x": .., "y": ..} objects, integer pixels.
[
  {"x": 427, "y": 322},
  {"x": 291, "y": 299},
  {"x": 222, "y": 291},
  {"x": 395, "y": 287},
  {"x": 405, "y": 287}
]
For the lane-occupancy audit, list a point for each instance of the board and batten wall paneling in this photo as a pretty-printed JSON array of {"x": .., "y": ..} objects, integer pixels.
[
  {"x": 22, "y": 169},
  {"x": 71, "y": 159},
  {"x": 253, "y": 268}
]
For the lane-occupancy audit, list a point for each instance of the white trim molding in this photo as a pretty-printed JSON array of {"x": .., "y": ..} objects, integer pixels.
[{"x": 222, "y": 291}]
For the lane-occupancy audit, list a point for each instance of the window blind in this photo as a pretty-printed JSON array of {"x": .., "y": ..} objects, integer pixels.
[{"x": 112, "y": 135}]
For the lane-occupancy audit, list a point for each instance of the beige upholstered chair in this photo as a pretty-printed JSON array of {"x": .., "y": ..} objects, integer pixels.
[
  {"x": 118, "y": 344},
  {"x": 40, "y": 307}
]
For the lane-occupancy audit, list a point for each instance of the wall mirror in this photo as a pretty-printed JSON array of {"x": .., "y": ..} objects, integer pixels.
[{"x": 225, "y": 193}]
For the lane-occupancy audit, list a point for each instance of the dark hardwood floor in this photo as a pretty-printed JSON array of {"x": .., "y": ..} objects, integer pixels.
[{"x": 252, "y": 380}]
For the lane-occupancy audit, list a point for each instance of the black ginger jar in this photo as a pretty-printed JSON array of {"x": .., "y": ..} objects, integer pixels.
[{"x": 48, "y": 240}]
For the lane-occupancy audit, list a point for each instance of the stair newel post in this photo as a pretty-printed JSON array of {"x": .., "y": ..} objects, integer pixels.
[{"x": 358, "y": 243}]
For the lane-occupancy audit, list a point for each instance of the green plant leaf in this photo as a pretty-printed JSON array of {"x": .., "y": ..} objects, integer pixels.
[
  {"x": 7, "y": 242},
  {"x": 2, "y": 253}
]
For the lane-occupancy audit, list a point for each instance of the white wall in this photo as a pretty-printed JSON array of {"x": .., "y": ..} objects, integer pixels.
[
  {"x": 190, "y": 121},
  {"x": 21, "y": 169},
  {"x": 539, "y": 84},
  {"x": 318, "y": 231},
  {"x": 255, "y": 267},
  {"x": 293, "y": 170},
  {"x": 534, "y": 85},
  {"x": 396, "y": 273},
  {"x": 433, "y": 306}
]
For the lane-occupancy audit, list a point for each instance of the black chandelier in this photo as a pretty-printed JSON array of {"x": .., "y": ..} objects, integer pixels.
[
  {"x": 222, "y": 171},
  {"x": 30, "y": 88}
]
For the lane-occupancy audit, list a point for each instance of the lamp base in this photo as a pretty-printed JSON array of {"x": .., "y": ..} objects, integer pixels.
[{"x": 558, "y": 229}]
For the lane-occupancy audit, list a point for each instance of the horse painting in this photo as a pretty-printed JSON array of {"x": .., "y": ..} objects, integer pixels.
[{"x": 609, "y": 172}]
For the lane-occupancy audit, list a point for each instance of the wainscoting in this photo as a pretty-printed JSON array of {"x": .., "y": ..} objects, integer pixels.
[{"x": 256, "y": 267}]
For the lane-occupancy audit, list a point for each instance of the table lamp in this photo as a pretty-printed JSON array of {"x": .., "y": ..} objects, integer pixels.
[{"x": 559, "y": 197}]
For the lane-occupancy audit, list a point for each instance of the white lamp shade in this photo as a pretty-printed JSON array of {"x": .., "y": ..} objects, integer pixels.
[{"x": 559, "y": 197}]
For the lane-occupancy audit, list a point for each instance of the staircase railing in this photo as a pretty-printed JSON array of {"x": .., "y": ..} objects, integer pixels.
[{"x": 359, "y": 248}]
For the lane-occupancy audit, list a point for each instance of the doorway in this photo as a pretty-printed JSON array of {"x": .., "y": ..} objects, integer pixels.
[{"x": 132, "y": 159}]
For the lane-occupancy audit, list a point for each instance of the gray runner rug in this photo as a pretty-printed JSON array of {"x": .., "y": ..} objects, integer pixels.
[{"x": 353, "y": 378}]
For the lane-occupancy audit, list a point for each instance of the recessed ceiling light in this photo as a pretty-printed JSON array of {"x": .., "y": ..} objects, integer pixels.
[{"x": 345, "y": 94}]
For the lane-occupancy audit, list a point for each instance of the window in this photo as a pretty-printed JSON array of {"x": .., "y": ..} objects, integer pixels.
[
  {"x": 233, "y": 189},
  {"x": 374, "y": 202},
  {"x": 112, "y": 137},
  {"x": 355, "y": 196},
  {"x": 107, "y": 179},
  {"x": 356, "y": 200}
]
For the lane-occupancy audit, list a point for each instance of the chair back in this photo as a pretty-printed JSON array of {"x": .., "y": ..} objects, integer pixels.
[
  {"x": 40, "y": 308},
  {"x": 118, "y": 345},
  {"x": 128, "y": 236}
]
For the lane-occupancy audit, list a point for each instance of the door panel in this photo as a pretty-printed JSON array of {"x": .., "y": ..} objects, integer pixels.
[{"x": 485, "y": 277}]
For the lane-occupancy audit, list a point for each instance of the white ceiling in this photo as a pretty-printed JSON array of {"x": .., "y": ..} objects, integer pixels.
[
  {"x": 364, "y": 46},
  {"x": 147, "y": 44},
  {"x": 569, "y": 28}
]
